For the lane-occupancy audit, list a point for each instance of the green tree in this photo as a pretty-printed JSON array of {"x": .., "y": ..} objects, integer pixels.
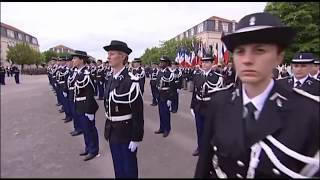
[
  {"x": 304, "y": 18},
  {"x": 21, "y": 54},
  {"x": 48, "y": 55}
]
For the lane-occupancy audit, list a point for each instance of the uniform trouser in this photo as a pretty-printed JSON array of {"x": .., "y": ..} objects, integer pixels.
[
  {"x": 154, "y": 92},
  {"x": 90, "y": 134},
  {"x": 8, "y": 73},
  {"x": 100, "y": 89},
  {"x": 58, "y": 94},
  {"x": 175, "y": 102},
  {"x": 95, "y": 84},
  {"x": 200, "y": 126},
  {"x": 16, "y": 77},
  {"x": 164, "y": 113},
  {"x": 184, "y": 84},
  {"x": 75, "y": 116},
  {"x": 124, "y": 161},
  {"x": 2, "y": 79},
  {"x": 65, "y": 104}
]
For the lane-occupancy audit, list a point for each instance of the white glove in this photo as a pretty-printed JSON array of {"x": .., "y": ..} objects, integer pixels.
[
  {"x": 133, "y": 145},
  {"x": 192, "y": 112},
  {"x": 64, "y": 94},
  {"x": 169, "y": 103},
  {"x": 90, "y": 116}
]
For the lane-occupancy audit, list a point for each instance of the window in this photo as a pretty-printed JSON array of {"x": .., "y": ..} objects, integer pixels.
[
  {"x": 34, "y": 41},
  {"x": 28, "y": 38},
  {"x": 200, "y": 27},
  {"x": 225, "y": 27},
  {"x": 10, "y": 33},
  {"x": 195, "y": 30},
  {"x": 216, "y": 25},
  {"x": 192, "y": 31},
  {"x": 210, "y": 25},
  {"x": 20, "y": 36},
  {"x": 233, "y": 27},
  {"x": 3, "y": 32}
]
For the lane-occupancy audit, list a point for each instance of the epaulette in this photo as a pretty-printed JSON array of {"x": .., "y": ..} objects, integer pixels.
[
  {"x": 133, "y": 77},
  {"x": 218, "y": 73},
  {"x": 306, "y": 94}
]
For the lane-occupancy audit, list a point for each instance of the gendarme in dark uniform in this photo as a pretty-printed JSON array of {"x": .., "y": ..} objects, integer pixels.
[
  {"x": 140, "y": 73},
  {"x": 177, "y": 85},
  {"x": 153, "y": 84},
  {"x": 86, "y": 105},
  {"x": 266, "y": 134},
  {"x": 100, "y": 79},
  {"x": 305, "y": 82},
  {"x": 124, "y": 127},
  {"x": 205, "y": 84}
]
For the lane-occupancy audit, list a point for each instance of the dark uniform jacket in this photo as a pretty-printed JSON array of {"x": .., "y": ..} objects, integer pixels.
[
  {"x": 154, "y": 73},
  {"x": 62, "y": 77},
  {"x": 229, "y": 75},
  {"x": 165, "y": 84},
  {"x": 70, "y": 83},
  {"x": 2, "y": 70},
  {"x": 177, "y": 78},
  {"x": 100, "y": 74},
  {"x": 139, "y": 72},
  {"x": 204, "y": 87},
  {"x": 284, "y": 74},
  {"x": 123, "y": 109},
  {"x": 15, "y": 70},
  {"x": 281, "y": 119},
  {"x": 310, "y": 85},
  {"x": 84, "y": 93}
]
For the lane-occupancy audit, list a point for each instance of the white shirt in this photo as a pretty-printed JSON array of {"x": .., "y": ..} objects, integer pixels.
[
  {"x": 118, "y": 73},
  {"x": 206, "y": 72},
  {"x": 301, "y": 80},
  {"x": 259, "y": 100}
]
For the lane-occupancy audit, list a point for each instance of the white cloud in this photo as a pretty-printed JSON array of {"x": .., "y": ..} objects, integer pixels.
[{"x": 91, "y": 25}]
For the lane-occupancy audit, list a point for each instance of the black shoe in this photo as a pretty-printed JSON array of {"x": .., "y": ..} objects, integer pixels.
[
  {"x": 61, "y": 111},
  {"x": 64, "y": 119},
  {"x": 165, "y": 134},
  {"x": 68, "y": 120},
  {"x": 58, "y": 104},
  {"x": 158, "y": 132},
  {"x": 196, "y": 153},
  {"x": 89, "y": 156},
  {"x": 76, "y": 133},
  {"x": 174, "y": 111},
  {"x": 153, "y": 104},
  {"x": 83, "y": 153}
]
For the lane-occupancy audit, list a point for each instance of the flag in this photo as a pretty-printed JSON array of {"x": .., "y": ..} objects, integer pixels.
[
  {"x": 225, "y": 54},
  {"x": 188, "y": 59},
  {"x": 216, "y": 54},
  {"x": 178, "y": 56}
]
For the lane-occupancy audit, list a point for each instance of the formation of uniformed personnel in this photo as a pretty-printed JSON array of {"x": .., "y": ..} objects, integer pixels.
[
  {"x": 315, "y": 70},
  {"x": 16, "y": 73},
  {"x": 177, "y": 85},
  {"x": 93, "y": 72},
  {"x": 2, "y": 75},
  {"x": 124, "y": 127},
  {"x": 139, "y": 72},
  {"x": 153, "y": 77},
  {"x": 107, "y": 72},
  {"x": 301, "y": 65},
  {"x": 257, "y": 129},
  {"x": 205, "y": 84},
  {"x": 165, "y": 84},
  {"x": 85, "y": 104}
]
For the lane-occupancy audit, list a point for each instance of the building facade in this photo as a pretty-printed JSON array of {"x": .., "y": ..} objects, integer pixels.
[
  {"x": 10, "y": 36},
  {"x": 61, "y": 49},
  {"x": 209, "y": 31}
]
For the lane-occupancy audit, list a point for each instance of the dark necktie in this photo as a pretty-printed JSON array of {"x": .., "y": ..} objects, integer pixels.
[
  {"x": 298, "y": 84},
  {"x": 250, "y": 122}
]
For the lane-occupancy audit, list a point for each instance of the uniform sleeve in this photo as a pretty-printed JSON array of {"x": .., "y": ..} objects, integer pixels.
[{"x": 137, "y": 119}]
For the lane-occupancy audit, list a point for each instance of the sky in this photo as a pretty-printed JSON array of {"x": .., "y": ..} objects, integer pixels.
[{"x": 89, "y": 26}]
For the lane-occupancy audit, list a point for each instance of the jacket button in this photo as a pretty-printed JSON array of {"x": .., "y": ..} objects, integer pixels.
[
  {"x": 240, "y": 163},
  {"x": 239, "y": 175},
  {"x": 215, "y": 148},
  {"x": 275, "y": 171}
]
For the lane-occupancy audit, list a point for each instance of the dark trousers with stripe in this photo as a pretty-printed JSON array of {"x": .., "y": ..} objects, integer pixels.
[
  {"x": 2, "y": 79},
  {"x": 75, "y": 116},
  {"x": 175, "y": 102},
  {"x": 16, "y": 77},
  {"x": 90, "y": 134},
  {"x": 95, "y": 84},
  {"x": 199, "y": 126},
  {"x": 164, "y": 113},
  {"x": 100, "y": 89},
  {"x": 124, "y": 161},
  {"x": 65, "y": 104}
]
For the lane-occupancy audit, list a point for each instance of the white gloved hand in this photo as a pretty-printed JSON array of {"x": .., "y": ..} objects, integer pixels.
[
  {"x": 133, "y": 145},
  {"x": 64, "y": 94},
  {"x": 192, "y": 112},
  {"x": 90, "y": 116},
  {"x": 169, "y": 103}
]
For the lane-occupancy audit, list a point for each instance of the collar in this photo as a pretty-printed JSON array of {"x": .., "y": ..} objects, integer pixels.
[
  {"x": 206, "y": 72},
  {"x": 260, "y": 99},
  {"x": 118, "y": 73},
  {"x": 316, "y": 75},
  {"x": 79, "y": 69},
  {"x": 301, "y": 80}
]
